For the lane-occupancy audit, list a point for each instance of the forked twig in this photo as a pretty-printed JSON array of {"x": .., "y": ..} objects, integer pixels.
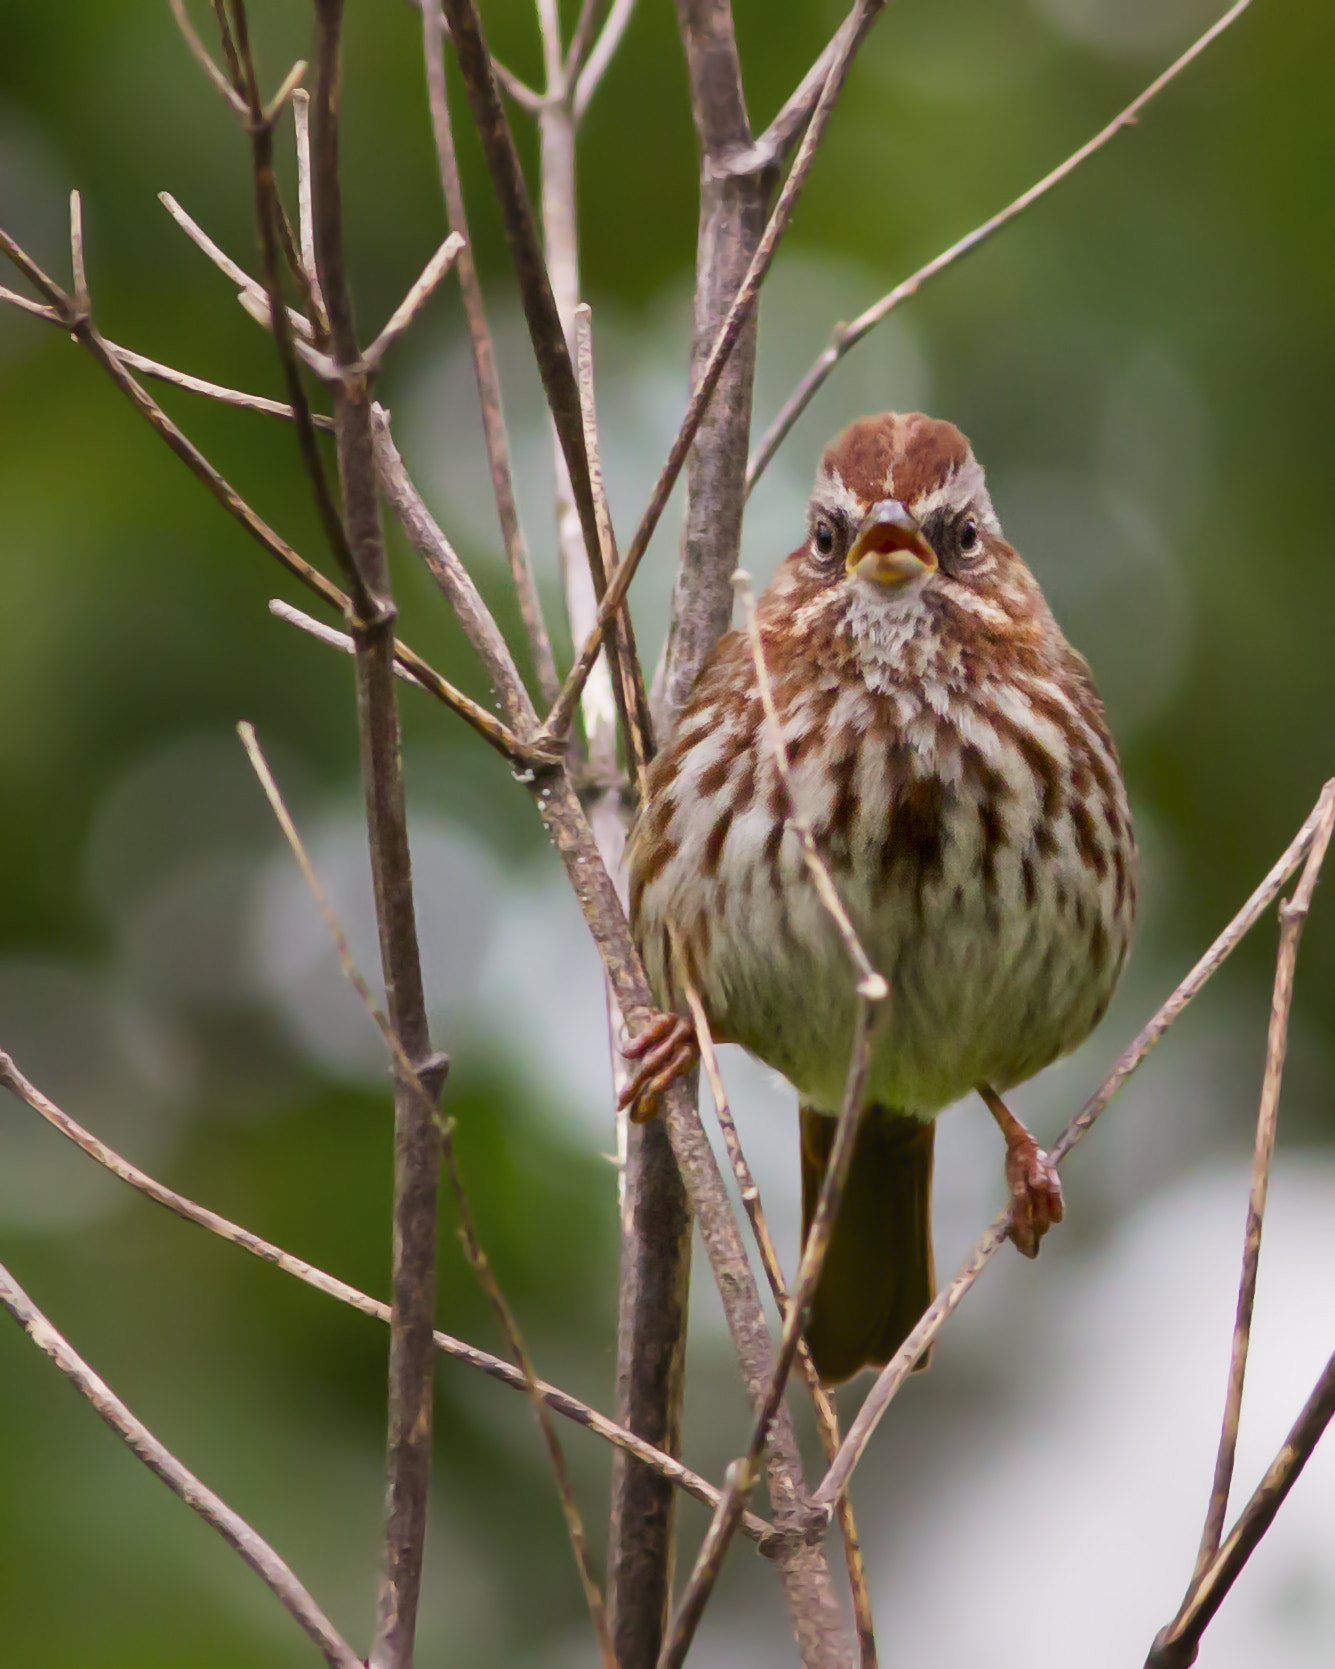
[
  {"x": 141, "y": 1442},
  {"x": 849, "y": 335},
  {"x": 604, "y": 50},
  {"x": 1175, "y": 1646},
  {"x": 561, "y": 1402},
  {"x": 827, "y": 1420},
  {"x": 412, "y": 1075},
  {"x": 413, "y": 303},
  {"x": 899, "y": 1367}
]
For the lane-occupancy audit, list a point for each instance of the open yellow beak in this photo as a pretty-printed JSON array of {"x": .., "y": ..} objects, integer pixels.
[{"x": 890, "y": 548}]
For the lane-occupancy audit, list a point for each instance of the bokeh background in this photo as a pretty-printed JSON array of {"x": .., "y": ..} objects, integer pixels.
[{"x": 1144, "y": 363}]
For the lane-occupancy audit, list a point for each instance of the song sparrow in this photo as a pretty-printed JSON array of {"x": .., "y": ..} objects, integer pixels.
[{"x": 949, "y": 750}]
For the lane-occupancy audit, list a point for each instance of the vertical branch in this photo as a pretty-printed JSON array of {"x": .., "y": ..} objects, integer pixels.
[
  {"x": 1292, "y": 920},
  {"x": 827, "y": 1419},
  {"x": 484, "y": 366},
  {"x": 416, "y": 1139},
  {"x": 733, "y": 209}
]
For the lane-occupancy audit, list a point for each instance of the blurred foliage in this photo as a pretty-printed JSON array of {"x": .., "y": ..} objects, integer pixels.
[{"x": 1161, "y": 326}]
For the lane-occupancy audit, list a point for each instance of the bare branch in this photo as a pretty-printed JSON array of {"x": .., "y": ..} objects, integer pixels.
[
  {"x": 744, "y": 1474},
  {"x": 604, "y": 50},
  {"x": 301, "y": 122},
  {"x": 450, "y": 575},
  {"x": 484, "y": 367},
  {"x": 417, "y": 1137},
  {"x": 899, "y": 1367},
  {"x": 1175, "y": 1647},
  {"x": 561, "y": 1402},
  {"x": 416, "y": 1076},
  {"x": 38, "y": 310},
  {"x": 412, "y": 304},
  {"x": 486, "y": 724},
  {"x": 632, "y": 695},
  {"x": 540, "y": 309},
  {"x": 737, "y": 318},
  {"x": 847, "y": 336},
  {"x": 268, "y": 214},
  {"x": 1292, "y": 920},
  {"x": 827, "y": 1420},
  {"x": 81, "y": 302},
  {"x": 225, "y": 264},
  {"x": 211, "y": 1508},
  {"x": 205, "y": 61}
]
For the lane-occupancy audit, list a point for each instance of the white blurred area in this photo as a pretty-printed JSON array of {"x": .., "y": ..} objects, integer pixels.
[
  {"x": 1036, "y": 1499},
  {"x": 1066, "y": 1530}
]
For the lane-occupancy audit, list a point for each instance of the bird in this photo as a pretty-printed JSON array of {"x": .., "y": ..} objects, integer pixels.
[{"x": 951, "y": 755}]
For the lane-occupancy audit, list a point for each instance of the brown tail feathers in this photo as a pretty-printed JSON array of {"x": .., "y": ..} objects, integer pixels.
[{"x": 878, "y": 1276}]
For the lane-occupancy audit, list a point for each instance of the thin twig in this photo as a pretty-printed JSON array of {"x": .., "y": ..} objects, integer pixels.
[
  {"x": 301, "y": 122},
  {"x": 205, "y": 61},
  {"x": 581, "y": 38},
  {"x": 827, "y": 1419},
  {"x": 450, "y": 575},
  {"x": 418, "y": 1139},
  {"x": 1292, "y": 920},
  {"x": 367, "y": 602},
  {"x": 871, "y": 984},
  {"x": 412, "y": 304},
  {"x": 412, "y": 1076},
  {"x": 783, "y": 132},
  {"x": 1176, "y": 1645},
  {"x": 546, "y": 332},
  {"x": 83, "y": 330},
  {"x": 641, "y": 732},
  {"x": 847, "y": 336},
  {"x": 484, "y": 367},
  {"x": 168, "y": 373},
  {"x": 901, "y": 1364},
  {"x": 737, "y": 316},
  {"x": 226, "y": 265},
  {"x": 561, "y": 1402},
  {"x": 604, "y": 50},
  {"x": 77, "y": 266},
  {"x": 211, "y": 1508},
  {"x": 744, "y": 1474}
]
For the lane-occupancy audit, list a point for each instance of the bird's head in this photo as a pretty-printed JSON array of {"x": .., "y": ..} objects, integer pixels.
[{"x": 900, "y": 506}]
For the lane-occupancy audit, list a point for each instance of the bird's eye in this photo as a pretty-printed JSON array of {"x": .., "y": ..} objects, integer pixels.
[
  {"x": 823, "y": 538},
  {"x": 968, "y": 538}
]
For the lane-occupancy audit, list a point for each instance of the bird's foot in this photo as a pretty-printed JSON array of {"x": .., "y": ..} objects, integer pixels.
[
  {"x": 1035, "y": 1187},
  {"x": 664, "y": 1050},
  {"x": 1036, "y": 1194}
]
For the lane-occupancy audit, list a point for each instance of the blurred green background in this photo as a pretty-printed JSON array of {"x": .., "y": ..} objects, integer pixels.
[{"x": 1144, "y": 363}]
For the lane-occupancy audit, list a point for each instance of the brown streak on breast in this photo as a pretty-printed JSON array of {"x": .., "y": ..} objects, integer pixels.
[
  {"x": 714, "y": 841},
  {"x": 1091, "y": 852}
]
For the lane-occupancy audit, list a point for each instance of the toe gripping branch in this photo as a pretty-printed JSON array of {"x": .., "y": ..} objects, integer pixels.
[
  {"x": 664, "y": 1049},
  {"x": 1035, "y": 1187}
]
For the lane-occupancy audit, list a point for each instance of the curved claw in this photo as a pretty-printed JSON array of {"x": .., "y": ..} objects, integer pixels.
[
  {"x": 1036, "y": 1194},
  {"x": 665, "y": 1050}
]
